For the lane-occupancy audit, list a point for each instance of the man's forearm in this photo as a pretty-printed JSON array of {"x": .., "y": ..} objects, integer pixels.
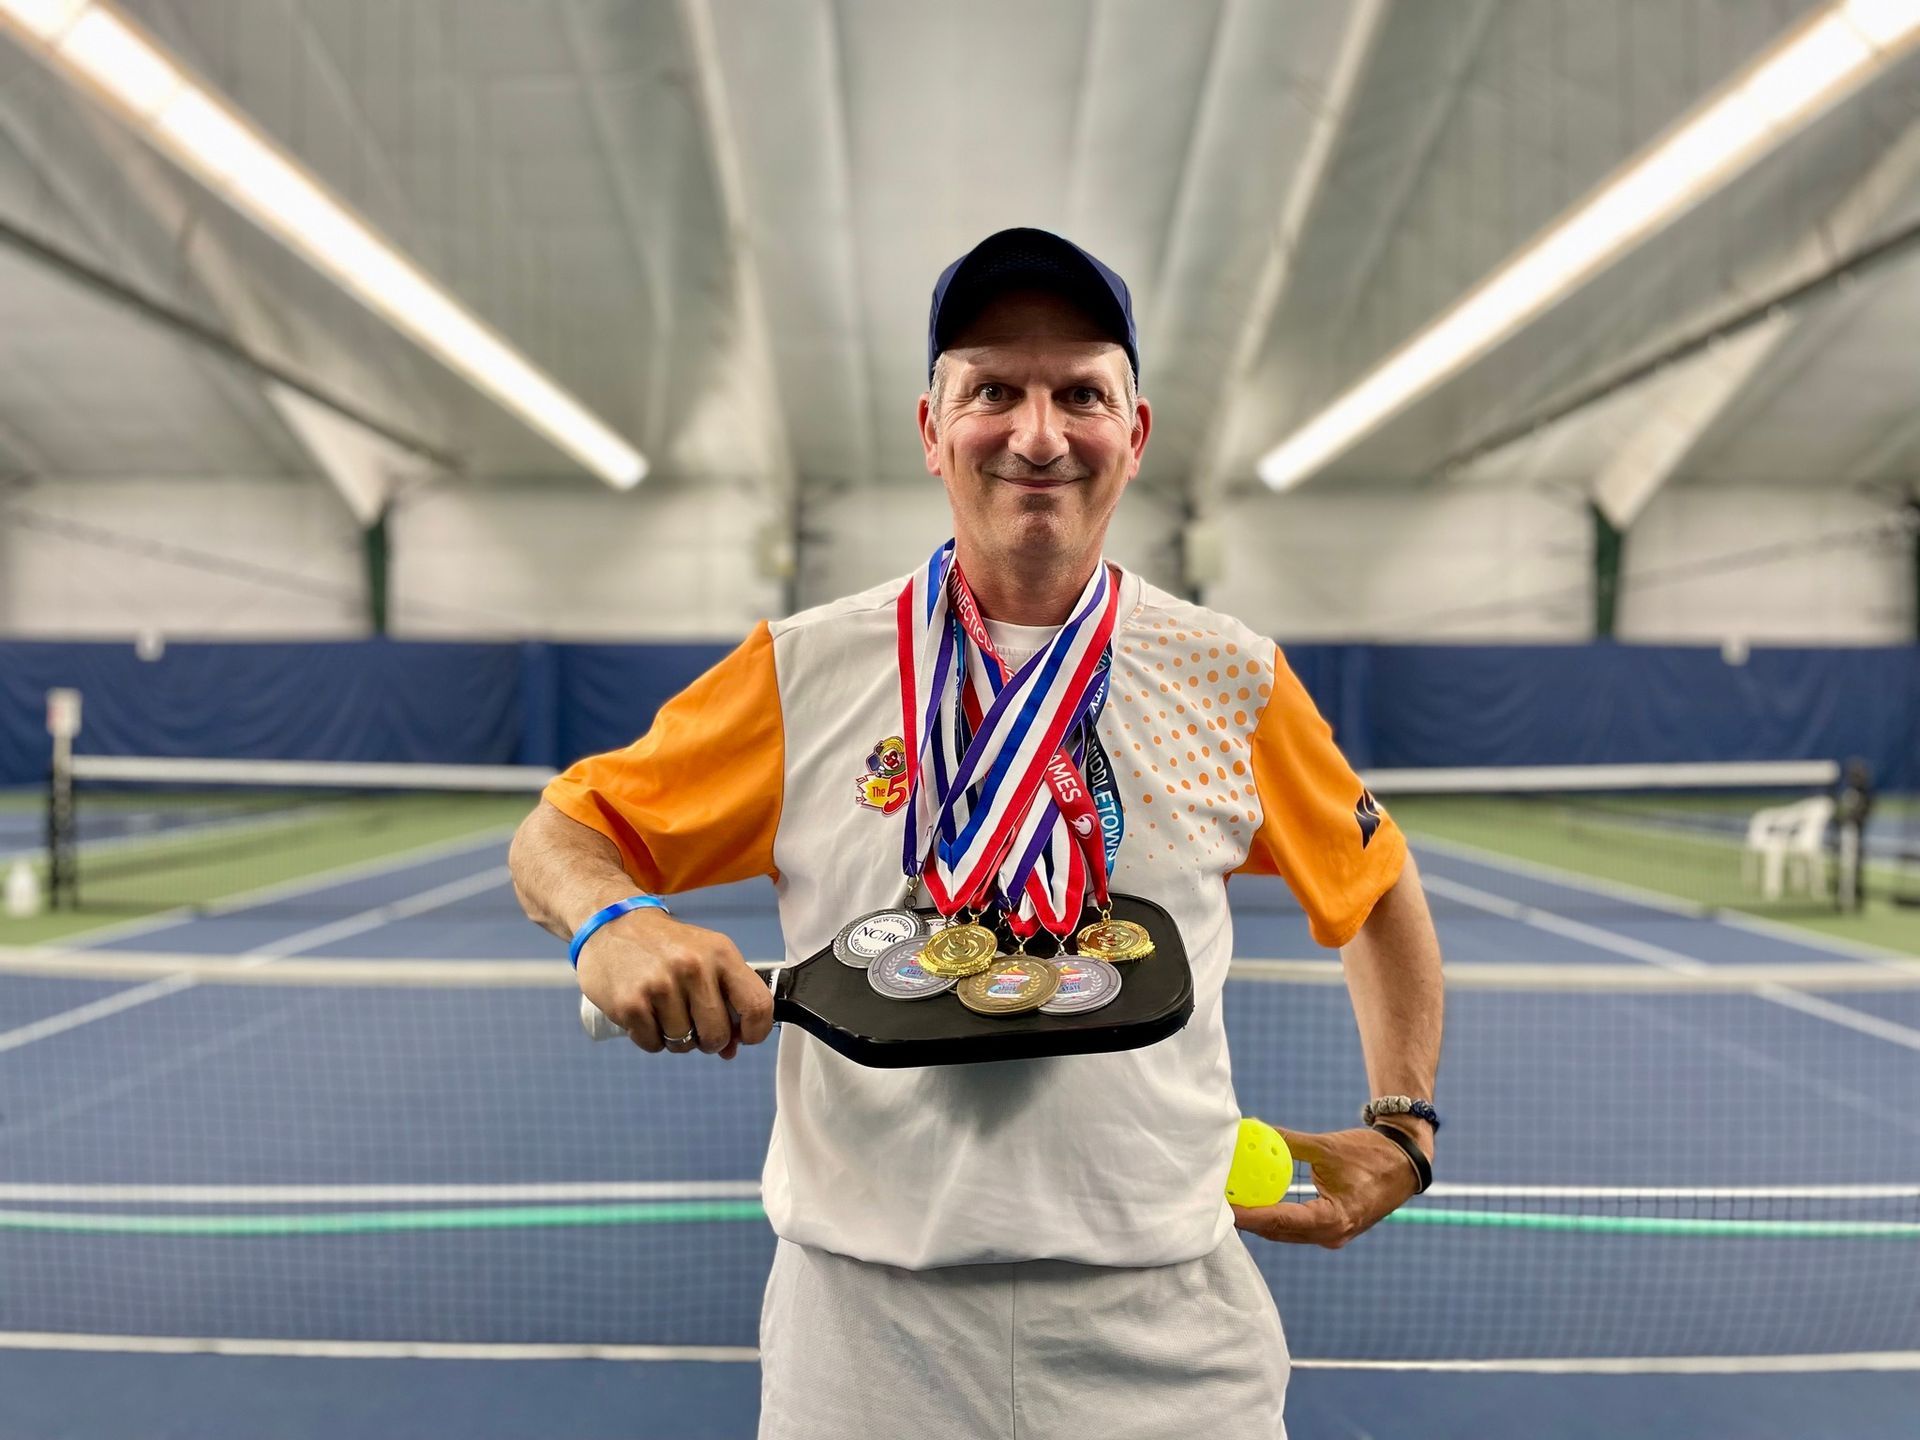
[
  {"x": 563, "y": 871},
  {"x": 1393, "y": 977}
]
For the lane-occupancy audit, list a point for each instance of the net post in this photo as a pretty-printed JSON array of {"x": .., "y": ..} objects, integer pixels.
[{"x": 63, "y": 724}]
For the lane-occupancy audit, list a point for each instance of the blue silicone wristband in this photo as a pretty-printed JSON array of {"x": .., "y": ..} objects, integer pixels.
[{"x": 612, "y": 912}]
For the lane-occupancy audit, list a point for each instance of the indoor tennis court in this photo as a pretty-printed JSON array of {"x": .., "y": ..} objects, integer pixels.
[{"x": 401, "y": 402}]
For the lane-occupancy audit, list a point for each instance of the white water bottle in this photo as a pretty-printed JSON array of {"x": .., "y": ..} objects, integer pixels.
[{"x": 22, "y": 891}]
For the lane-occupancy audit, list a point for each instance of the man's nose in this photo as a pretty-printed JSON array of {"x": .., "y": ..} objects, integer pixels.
[{"x": 1039, "y": 431}]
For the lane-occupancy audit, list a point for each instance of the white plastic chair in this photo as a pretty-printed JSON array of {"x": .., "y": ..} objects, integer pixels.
[{"x": 1783, "y": 839}]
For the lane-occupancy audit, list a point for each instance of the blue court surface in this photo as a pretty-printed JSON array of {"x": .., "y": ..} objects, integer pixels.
[{"x": 407, "y": 1197}]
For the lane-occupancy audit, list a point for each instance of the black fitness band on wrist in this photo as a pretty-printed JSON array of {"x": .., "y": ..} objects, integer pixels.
[{"x": 1409, "y": 1147}]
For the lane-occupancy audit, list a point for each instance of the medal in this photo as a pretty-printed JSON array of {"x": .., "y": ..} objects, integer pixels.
[
  {"x": 1111, "y": 939},
  {"x": 863, "y": 941},
  {"x": 960, "y": 950},
  {"x": 1085, "y": 984},
  {"x": 1011, "y": 985},
  {"x": 899, "y": 975}
]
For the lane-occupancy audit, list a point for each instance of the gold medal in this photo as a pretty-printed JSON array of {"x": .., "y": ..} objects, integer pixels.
[
  {"x": 1115, "y": 940},
  {"x": 959, "y": 951},
  {"x": 1011, "y": 985}
]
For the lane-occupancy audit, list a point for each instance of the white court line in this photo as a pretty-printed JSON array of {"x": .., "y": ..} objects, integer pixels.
[
  {"x": 1521, "y": 779},
  {"x": 554, "y": 1192},
  {"x": 1654, "y": 900},
  {"x": 87, "y": 1014},
  {"x": 135, "y": 839},
  {"x": 1666, "y": 959},
  {"x": 1602, "y": 977},
  {"x": 1465, "y": 1190},
  {"x": 464, "y": 888},
  {"x": 1880, "y": 1360},
  {"x": 361, "y": 1349},
  {"x": 47, "y": 1192},
  {"x": 288, "y": 889},
  {"x": 1606, "y": 977},
  {"x": 262, "y": 955},
  {"x": 53, "y": 963},
  {"x": 188, "y": 770}
]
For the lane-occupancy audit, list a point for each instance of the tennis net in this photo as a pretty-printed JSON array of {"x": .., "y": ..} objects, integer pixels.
[
  {"x": 1767, "y": 838},
  {"x": 402, "y": 1155},
  {"x": 135, "y": 833},
  {"x": 139, "y": 833}
]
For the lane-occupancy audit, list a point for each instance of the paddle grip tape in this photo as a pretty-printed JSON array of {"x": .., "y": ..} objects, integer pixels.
[{"x": 600, "y": 917}]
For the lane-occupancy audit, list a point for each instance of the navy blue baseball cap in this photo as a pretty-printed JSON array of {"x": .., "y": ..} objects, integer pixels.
[{"x": 1029, "y": 260}]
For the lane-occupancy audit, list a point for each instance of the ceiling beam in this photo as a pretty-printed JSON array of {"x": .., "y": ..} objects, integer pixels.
[
  {"x": 1693, "y": 379},
  {"x": 1662, "y": 443},
  {"x": 329, "y": 428},
  {"x": 364, "y": 455},
  {"x": 111, "y": 240},
  {"x": 1673, "y": 417},
  {"x": 113, "y": 288},
  {"x": 111, "y": 59},
  {"x": 1468, "y": 32},
  {"x": 1366, "y": 19},
  {"x": 1809, "y": 68},
  {"x": 632, "y": 207},
  {"x": 755, "y": 344},
  {"x": 866, "y": 384}
]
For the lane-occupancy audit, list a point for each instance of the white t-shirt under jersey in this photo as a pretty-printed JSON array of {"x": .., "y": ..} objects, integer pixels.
[{"x": 772, "y": 764}]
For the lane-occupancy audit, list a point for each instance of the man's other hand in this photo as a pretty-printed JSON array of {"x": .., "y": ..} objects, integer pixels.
[{"x": 1362, "y": 1178}]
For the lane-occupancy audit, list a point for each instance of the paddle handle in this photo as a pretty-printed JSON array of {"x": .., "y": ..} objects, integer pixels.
[{"x": 598, "y": 1027}]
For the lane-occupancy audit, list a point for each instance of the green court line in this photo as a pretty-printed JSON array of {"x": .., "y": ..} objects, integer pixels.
[{"x": 523, "y": 1217}]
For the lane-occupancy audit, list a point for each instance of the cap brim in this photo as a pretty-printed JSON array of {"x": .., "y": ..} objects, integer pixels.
[{"x": 1026, "y": 260}]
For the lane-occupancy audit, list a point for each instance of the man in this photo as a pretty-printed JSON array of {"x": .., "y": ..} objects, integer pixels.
[{"x": 1035, "y": 1248}]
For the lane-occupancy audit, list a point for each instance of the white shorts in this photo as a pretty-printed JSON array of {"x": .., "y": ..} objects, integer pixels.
[{"x": 1041, "y": 1350}]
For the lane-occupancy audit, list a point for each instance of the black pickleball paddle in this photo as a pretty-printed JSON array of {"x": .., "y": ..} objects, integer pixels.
[{"x": 834, "y": 1003}]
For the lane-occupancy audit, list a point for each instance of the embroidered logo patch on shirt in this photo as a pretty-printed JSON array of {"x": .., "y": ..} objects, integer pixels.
[
  {"x": 884, "y": 786},
  {"x": 1367, "y": 812}
]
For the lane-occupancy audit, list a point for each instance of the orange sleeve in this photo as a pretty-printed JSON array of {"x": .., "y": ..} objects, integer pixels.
[
  {"x": 1320, "y": 829},
  {"x": 696, "y": 800}
]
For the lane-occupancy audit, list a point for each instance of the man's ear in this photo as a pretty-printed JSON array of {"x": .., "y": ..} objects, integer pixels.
[
  {"x": 929, "y": 435},
  {"x": 1142, "y": 427}
]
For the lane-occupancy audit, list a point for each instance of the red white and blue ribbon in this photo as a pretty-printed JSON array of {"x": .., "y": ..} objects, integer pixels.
[{"x": 999, "y": 808}]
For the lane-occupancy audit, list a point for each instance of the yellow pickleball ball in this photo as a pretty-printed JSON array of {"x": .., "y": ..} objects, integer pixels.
[{"x": 1262, "y": 1165}]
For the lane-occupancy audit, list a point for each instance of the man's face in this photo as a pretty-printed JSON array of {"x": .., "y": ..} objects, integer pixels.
[{"x": 1034, "y": 439}]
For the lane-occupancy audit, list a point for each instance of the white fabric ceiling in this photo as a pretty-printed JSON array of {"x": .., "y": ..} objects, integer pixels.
[{"x": 717, "y": 222}]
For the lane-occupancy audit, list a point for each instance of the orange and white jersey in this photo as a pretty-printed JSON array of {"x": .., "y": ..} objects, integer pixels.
[{"x": 784, "y": 761}]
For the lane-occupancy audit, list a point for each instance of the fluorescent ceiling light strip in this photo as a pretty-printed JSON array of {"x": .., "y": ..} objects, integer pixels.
[
  {"x": 111, "y": 55},
  {"x": 1772, "y": 98},
  {"x": 43, "y": 19},
  {"x": 233, "y": 159},
  {"x": 1885, "y": 23}
]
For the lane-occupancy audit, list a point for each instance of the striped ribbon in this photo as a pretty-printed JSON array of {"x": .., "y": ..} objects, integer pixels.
[{"x": 998, "y": 808}]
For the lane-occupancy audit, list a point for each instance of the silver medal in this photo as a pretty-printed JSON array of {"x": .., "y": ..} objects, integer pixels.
[
  {"x": 1085, "y": 984},
  {"x": 863, "y": 941},
  {"x": 898, "y": 975}
]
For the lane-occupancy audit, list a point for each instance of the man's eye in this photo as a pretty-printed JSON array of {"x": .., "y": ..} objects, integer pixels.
[
  {"x": 992, "y": 394},
  {"x": 1085, "y": 395}
]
